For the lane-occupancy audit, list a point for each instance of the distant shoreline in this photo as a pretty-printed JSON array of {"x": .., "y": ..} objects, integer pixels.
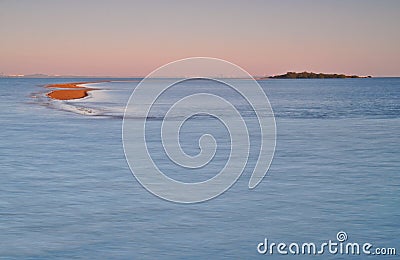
[{"x": 313, "y": 75}]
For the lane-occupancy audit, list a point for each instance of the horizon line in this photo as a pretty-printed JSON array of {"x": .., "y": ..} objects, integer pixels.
[{"x": 39, "y": 75}]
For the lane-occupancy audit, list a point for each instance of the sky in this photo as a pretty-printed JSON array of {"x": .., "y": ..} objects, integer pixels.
[{"x": 132, "y": 38}]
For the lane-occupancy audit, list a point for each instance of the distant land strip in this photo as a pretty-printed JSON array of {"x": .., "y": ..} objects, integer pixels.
[{"x": 312, "y": 75}]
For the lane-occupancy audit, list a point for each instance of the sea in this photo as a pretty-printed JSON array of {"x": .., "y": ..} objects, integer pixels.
[{"x": 67, "y": 191}]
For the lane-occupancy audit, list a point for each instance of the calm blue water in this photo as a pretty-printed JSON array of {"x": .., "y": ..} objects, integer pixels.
[{"x": 66, "y": 190}]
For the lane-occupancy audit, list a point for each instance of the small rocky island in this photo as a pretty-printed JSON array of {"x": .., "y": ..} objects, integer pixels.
[{"x": 312, "y": 75}]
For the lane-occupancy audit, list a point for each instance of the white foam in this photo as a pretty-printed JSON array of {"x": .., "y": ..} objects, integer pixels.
[{"x": 59, "y": 104}]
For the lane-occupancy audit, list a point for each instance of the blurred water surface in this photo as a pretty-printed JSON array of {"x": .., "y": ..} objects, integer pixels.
[{"x": 66, "y": 190}]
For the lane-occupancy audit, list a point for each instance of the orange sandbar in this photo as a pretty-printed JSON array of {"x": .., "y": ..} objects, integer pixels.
[
  {"x": 69, "y": 91},
  {"x": 68, "y": 85},
  {"x": 67, "y": 94}
]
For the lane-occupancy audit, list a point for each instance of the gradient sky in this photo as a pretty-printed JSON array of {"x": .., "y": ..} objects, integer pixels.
[{"x": 132, "y": 38}]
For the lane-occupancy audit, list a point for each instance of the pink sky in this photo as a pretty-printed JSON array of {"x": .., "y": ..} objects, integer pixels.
[{"x": 126, "y": 38}]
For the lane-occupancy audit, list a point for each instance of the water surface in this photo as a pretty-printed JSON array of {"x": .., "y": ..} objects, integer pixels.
[{"x": 66, "y": 190}]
